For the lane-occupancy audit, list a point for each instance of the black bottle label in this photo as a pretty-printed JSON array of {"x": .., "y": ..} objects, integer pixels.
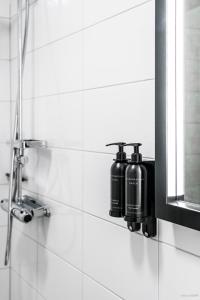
[
  {"x": 117, "y": 193},
  {"x": 134, "y": 198}
]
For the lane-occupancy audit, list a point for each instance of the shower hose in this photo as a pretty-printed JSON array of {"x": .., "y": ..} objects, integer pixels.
[{"x": 13, "y": 184}]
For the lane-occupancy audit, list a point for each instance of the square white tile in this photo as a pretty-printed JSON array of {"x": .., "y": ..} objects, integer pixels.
[
  {"x": 62, "y": 233},
  {"x": 4, "y": 38},
  {"x": 178, "y": 274},
  {"x": 56, "y": 119},
  {"x": 57, "y": 174},
  {"x": 20, "y": 290},
  {"x": 4, "y": 284},
  {"x": 120, "y": 49},
  {"x": 53, "y": 69},
  {"x": 57, "y": 279},
  {"x": 24, "y": 257},
  {"x": 5, "y": 80},
  {"x": 121, "y": 113}
]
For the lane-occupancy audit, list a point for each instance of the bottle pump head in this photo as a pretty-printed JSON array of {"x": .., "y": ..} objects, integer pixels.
[
  {"x": 121, "y": 155},
  {"x": 136, "y": 155}
]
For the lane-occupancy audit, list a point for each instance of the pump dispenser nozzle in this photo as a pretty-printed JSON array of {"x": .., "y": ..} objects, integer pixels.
[
  {"x": 121, "y": 155},
  {"x": 136, "y": 156}
]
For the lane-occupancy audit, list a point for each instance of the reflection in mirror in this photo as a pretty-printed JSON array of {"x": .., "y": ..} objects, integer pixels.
[{"x": 183, "y": 103}]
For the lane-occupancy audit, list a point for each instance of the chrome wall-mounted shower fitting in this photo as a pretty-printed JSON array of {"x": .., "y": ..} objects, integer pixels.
[
  {"x": 27, "y": 209},
  {"x": 23, "y": 208}
]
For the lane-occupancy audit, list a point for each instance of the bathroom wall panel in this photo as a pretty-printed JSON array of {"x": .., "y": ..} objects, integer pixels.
[
  {"x": 24, "y": 257},
  {"x": 13, "y": 8},
  {"x": 123, "y": 263},
  {"x": 70, "y": 14},
  {"x": 4, "y": 8},
  {"x": 5, "y": 81},
  {"x": 21, "y": 290},
  {"x": 63, "y": 74},
  {"x": 192, "y": 17},
  {"x": 13, "y": 81},
  {"x": 178, "y": 274},
  {"x": 3, "y": 195},
  {"x": 4, "y": 121},
  {"x": 4, "y": 284},
  {"x": 181, "y": 237},
  {"x": 95, "y": 11},
  {"x": 57, "y": 279},
  {"x": 115, "y": 51},
  {"x": 66, "y": 130},
  {"x": 13, "y": 38},
  {"x": 91, "y": 289},
  {"x": 53, "y": 173},
  {"x": 63, "y": 233},
  {"x": 4, "y": 162},
  {"x": 119, "y": 110},
  {"x": 62, "y": 18},
  {"x": 4, "y": 38},
  {"x": 192, "y": 107}
]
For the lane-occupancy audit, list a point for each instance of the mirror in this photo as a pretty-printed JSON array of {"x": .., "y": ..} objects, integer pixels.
[{"x": 178, "y": 111}]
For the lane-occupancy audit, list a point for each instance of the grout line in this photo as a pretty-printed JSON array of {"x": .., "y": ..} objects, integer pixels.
[
  {"x": 87, "y": 27},
  {"x": 89, "y": 89},
  {"x": 65, "y": 262},
  {"x": 27, "y": 282},
  {"x": 179, "y": 249},
  {"x": 88, "y": 151},
  {"x": 31, "y": 4},
  {"x": 64, "y": 148},
  {"x": 79, "y": 150},
  {"x": 4, "y": 18},
  {"x": 105, "y": 287},
  {"x": 81, "y": 210},
  {"x": 108, "y": 221}
]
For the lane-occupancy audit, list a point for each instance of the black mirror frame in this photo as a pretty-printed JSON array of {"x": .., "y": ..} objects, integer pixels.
[{"x": 182, "y": 216}]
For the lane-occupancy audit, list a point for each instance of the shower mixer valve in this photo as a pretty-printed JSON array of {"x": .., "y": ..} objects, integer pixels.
[
  {"x": 27, "y": 209},
  {"x": 24, "y": 208}
]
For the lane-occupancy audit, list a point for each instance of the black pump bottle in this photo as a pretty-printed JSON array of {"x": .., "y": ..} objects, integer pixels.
[
  {"x": 136, "y": 190},
  {"x": 118, "y": 168}
]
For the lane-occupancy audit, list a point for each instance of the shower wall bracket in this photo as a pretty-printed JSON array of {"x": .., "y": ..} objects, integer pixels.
[
  {"x": 24, "y": 144},
  {"x": 24, "y": 208}
]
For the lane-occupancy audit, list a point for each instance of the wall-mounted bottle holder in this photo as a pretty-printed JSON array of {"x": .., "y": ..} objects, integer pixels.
[
  {"x": 149, "y": 226},
  {"x": 133, "y": 190}
]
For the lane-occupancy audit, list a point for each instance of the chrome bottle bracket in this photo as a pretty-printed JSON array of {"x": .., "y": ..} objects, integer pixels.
[{"x": 27, "y": 209}]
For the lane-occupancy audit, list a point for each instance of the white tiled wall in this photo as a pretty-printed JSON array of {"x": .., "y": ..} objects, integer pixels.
[
  {"x": 89, "y": 80},
  {"x": 4, "y": 136}
]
